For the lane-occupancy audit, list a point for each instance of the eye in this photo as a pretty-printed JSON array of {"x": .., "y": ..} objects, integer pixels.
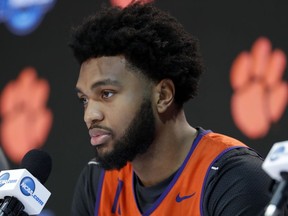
[
  {"x": 107, "y": 94},
  {"x": 83, "y": 101}
]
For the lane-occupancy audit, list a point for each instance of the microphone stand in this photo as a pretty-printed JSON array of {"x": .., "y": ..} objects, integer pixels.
[
  {"x": 11, "y": 206},
  {"x": 276, "y": 205}
]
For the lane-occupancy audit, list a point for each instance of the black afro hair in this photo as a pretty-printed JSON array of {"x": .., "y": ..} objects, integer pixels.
[{"x": 149, "y": 38}]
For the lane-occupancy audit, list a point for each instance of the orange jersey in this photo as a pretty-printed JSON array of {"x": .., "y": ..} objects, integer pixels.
[{"x": 184, "y": 194}]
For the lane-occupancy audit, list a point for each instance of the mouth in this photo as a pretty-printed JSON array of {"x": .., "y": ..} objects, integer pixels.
[{"x": 99, "y": 136}]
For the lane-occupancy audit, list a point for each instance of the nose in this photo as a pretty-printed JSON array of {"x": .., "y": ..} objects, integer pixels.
[{"x": 93, "y": 113}]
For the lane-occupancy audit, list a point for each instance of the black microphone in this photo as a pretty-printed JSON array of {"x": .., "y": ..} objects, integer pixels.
[
  {"x": 21, "y": 190},
  {"x": 38, "y": 163}
]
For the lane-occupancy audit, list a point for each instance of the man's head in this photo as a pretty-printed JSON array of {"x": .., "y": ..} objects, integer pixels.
[
  {"x": 118, "y": 109},
  {"x": 150, "y": 39},
  {"x": 137, "y": 65}
]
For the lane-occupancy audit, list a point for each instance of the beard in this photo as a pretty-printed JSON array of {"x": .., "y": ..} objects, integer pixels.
[{"x": 136, "y": 140}]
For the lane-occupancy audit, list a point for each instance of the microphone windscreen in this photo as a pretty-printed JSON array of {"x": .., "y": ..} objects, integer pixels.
[{"x": 38, "y": 163}]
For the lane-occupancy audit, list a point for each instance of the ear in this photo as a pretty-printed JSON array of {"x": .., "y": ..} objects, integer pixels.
[{"x": 164, "y": 97}]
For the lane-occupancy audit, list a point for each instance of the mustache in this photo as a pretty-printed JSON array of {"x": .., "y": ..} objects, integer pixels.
[{"x": 102, "y": 128}]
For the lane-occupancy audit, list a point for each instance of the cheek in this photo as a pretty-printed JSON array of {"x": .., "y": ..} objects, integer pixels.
[
  {"x": 123, "y": 109},
  {"x": 121, "y": 117},
  {"x": 117, "y": 115}
]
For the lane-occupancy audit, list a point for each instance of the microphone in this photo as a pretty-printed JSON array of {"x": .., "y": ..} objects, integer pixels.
[
  {"x": 276, "y": 166},
  {"x": 22, "y": 189}
]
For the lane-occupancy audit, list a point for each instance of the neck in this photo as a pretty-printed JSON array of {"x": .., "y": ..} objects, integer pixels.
[{"x": 167, "y": 152}]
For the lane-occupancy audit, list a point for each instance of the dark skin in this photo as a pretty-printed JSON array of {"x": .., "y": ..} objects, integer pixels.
[{"x": 112, "y": 93}]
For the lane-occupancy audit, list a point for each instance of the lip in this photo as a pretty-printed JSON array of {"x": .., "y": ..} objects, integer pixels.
[{"x": 98, "y": 136}]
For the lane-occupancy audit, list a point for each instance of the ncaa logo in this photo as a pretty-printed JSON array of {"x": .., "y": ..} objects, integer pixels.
[
  {"x": 24, "y": 16},
  {"x": 4, "y": 178},
  {"x": 27, "y": 186},
  {"x": 278, "y": 152}
]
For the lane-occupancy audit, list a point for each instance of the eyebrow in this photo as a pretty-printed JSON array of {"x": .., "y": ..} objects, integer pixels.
[{"x": 102, "y": 83}]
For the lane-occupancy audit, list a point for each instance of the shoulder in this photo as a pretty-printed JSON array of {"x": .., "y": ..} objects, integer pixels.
[
  {"x": 92, "y": 168},
  {"x": 238, "y": 164},
  {"x": 86, "y": 189},
  {"x": 90, "y": 176},
  {"x": 236, "y": 183}
]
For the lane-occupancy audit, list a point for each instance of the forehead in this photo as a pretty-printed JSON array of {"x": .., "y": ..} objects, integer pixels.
[
  {"x": 114, "y": 68},
  {"x": 103, "y": 66}
]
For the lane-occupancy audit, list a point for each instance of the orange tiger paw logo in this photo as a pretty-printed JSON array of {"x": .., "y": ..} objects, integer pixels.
[
  {"x": 124, "y": 3},
  {"x": 260, "y": 95},
  {"x": 26, "y": 121}
]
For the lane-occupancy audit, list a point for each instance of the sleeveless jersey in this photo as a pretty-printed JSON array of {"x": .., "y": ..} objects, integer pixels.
[{"x": 184, "y": 194}]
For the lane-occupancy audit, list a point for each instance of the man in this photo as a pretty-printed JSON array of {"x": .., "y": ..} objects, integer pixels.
[{"x": 138, "y": 67}]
